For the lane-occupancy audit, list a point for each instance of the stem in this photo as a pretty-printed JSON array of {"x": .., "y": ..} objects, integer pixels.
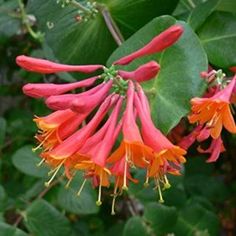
[
  {"x": 26, "y": 21},
  {"x": 41, "y": 195},
  {"x": 80, "y": 6},
  {"x": 111, "y": 25},
  {"x": 191, "y": 3}
]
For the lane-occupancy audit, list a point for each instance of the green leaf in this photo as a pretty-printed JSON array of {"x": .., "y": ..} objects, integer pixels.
[
  {"x": 9, "y": 22},
  {"x": 3, "y": 128},
  {"x": 42, "y": 219},
  {"x": 227, "y": 5},
  {"x": 218, "y": 38},
  {"x": 8, "y": 230},
  {"x": 179, "y": 79},
  {"x": 3, "y": 198},
  {"x": 83, "y": 204},
  {"x": 26, "y": 161},
  {"x": 161, "y": 218},
  {"x": 127, "y": 13},
  {"x": 194, "y": 218},
  {"x": 199, "y": 14},
  {"x": 136, "y": 226},
  {"x": 211, "y": 187}
]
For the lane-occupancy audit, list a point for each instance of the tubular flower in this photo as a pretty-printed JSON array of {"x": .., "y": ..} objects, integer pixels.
[
  {"x": 93, "y": 158},
  {"x": 157, "y": 44},
  {"x": 48, "y": 67},
  {"x": 81, "y": 132},
  {"x": 165, "y": 156},
  {"x": 46, "y": 90},
  {"x": 214, "y": 112},
  {"x": 132, "y": 146}
]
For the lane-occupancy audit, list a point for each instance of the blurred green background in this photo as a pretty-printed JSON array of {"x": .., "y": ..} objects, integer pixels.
[{"x": 201, "y": 202}]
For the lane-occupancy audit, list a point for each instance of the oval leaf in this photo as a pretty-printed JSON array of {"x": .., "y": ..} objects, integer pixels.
[
  {"x": 42, "y": 219},
  {"x": 26, "y": 161},
  {"x": 218, "y": 38}
]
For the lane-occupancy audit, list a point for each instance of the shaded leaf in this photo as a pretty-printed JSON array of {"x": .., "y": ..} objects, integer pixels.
[
  {"x": 3, "y": 127},
  {"x": 199, "y": 14},
  {"x": 8, "y": 230},
  {"x": 218, "y": 38},
  {"x": 135, "y": 226},
  {"x": 162, "y": 218},
  {"x": 194, "y": 218},
  {"x": 42, "y": 219},
  {"x": 83, "y": 204},
  {"x": 26, "y": 161}
]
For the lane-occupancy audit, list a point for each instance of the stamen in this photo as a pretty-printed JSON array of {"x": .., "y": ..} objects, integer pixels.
[
  {"x": 127, "y": 153},
  {"x": 114, "y": 198},
  {"x": 54, "y": 175},
  {"x": 41, "y": 144},
  {"x": 40, "y": 163},
  {"x": 68, "y": 183},
  {"x": 161, "y": 200},
  {"x": 146, "y": 183},
  {"x": 99, "y": 202},
  {"x": 81, "y": 187},
  {"x": 166, "y": 183}
]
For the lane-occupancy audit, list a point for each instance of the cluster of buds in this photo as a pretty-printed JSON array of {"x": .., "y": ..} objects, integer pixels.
[
  {"x": 71, "y": 139},
  {"x": 87, "y": 10},
  {"x": 212, "y": 112}
]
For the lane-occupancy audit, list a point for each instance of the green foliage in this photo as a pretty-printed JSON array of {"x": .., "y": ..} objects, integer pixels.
[
  {"x": 26, "y": 161},
  {"x": 200, "y": 202},
  {"x": 42, "y": 219}
]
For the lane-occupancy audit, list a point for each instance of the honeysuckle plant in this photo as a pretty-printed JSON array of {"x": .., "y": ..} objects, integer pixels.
[
  {"x": 134, "y": 112},
  {"x": 69, "y": 142}
]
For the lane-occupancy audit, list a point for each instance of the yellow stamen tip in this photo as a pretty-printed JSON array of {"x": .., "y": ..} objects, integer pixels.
[
  {"x": 161, "y": 201},
  {"x": 145, "y": 185},
  {"x": 167, "y": 185},
  {"x": 113, "y": 213},
  {"x": 47, "y": 184},
  {"x": 98, "y": 203},
  {"x": 125, "y": 188}
]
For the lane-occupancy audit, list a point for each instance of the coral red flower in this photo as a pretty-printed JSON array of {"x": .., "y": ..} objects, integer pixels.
[
  {"x": 49, "y": 89},
  {"x": 132, "y": 146},
  {"x": 164, "y": 152},
  {"x": 48, "y": 67},
  {"x": 157, "y": 44}
]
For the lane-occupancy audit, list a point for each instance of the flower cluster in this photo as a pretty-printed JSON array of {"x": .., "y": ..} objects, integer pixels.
[
  {"x": 81, "y": 132},
  {"x": 212, "y": 113}
]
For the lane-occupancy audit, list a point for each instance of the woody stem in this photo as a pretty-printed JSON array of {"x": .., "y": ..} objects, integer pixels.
[{"x": 111, "y": 25}]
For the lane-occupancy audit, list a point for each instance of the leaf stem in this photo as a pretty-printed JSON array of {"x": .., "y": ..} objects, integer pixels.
[
  {"x": 80, "y": 6},
  {"x": 26, "y": 22},
  {"x": 111, "y": 25}
]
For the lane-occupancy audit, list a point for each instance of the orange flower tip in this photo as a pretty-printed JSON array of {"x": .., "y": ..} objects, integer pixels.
[{"x": 98, "y": 203}]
